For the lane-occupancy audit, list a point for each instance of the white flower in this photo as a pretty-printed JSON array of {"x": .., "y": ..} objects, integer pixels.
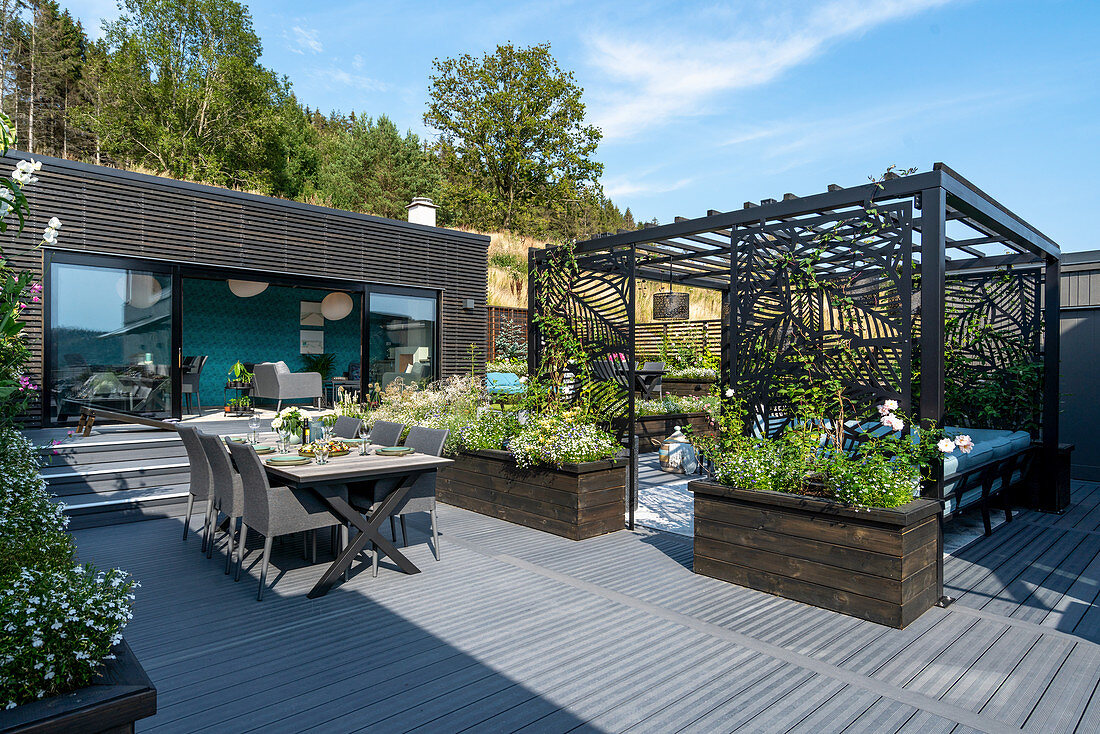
[
  {"x": 23, "y": 177},
  {"x": 55, "y": 223},
  {"x": 6, "y": 194},
  {"x": 50, "y": 236},
  {"x": 965, "y": 443},
  {"x": 946, "y": 445},
  {"x": 523, "y": 379},
  {"x": 729, "y": 393},
  {"x": 29, "y": 166},
  {"x": 893, "y": 422},
  {"x": 891, "y": 405}
]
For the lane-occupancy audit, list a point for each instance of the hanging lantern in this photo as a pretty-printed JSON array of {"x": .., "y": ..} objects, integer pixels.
[
  {"x": 677, "y": 455},
  {"x": 671, "y": 306},
  {"x": 246, "y": 288},
  {"x": 336, "y": 305}
]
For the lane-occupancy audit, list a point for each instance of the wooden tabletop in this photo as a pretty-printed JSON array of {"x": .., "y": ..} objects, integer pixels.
[{"x": 352, "y": 467}]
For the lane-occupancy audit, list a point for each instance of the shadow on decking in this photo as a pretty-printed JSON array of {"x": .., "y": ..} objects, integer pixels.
[{"x": 347, "y": 661}]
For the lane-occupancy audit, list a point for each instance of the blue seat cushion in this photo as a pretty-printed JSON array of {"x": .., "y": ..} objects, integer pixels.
[{"x": 503, "y": 383}]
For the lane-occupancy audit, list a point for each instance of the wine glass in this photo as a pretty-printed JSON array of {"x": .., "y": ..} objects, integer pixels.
[
  {"x": 254, "y": 424},
  {"x": 320, "y": 450},
  {"x": 364, "y": 439}
]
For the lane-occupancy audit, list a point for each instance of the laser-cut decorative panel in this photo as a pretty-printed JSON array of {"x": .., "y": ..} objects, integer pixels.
[{"x": 820, "y": 299}]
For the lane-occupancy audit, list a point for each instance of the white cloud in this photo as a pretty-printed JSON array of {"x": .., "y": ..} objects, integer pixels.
[
  {"x": 622, "y": 186},
  {"x": 331, "y": 77},
  {"x": 304, "y": 40},
  {"x": 654, "y": 82},
  {"x": 357, "y": 62}
]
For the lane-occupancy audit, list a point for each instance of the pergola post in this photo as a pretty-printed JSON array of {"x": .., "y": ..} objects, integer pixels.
[
  {"x": 933, "y": 257},
  {"x": 1051, "y": 358}
]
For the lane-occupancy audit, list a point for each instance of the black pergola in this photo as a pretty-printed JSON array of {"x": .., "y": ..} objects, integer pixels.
[{"x": 906, "y": 251}]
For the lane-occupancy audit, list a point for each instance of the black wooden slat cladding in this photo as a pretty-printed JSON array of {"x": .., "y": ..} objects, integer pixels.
[{"x": 113, "y": 212}]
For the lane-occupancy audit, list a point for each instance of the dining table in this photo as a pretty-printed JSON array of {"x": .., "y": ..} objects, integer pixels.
[{"x": 330, "y": 480}]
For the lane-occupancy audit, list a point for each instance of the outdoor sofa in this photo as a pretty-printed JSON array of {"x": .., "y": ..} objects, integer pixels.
[{"x": 275, "y": 381}]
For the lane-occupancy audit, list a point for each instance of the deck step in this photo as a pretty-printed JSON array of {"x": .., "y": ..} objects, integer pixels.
[
  {"x": 78, "y": 454},
  {"x": 95, "y": 509},
  {"x": 113, "y": 476}
]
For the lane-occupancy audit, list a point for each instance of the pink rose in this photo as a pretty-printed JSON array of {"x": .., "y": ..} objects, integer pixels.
[{"x": 965, "y": 444}]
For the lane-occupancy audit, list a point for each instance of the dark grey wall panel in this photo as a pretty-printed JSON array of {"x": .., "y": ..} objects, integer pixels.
[
  {"x": 1080, "y": 341},
  {"x": 113, "y": 212}
]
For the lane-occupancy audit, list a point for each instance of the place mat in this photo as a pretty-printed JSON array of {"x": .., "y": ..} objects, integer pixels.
[
  {"x": 288, "y": 460},
  {"x": 394, "y": 451}
]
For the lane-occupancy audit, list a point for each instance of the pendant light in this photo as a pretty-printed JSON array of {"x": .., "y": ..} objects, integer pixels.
[{"x": 671, "y": 306}]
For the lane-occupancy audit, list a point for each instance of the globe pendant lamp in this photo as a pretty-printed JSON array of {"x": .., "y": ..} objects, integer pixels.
[
  {"x": 336, "y": 305},
  {"x": 671, "y": 306},
  {"x": 246, "y": 288}
]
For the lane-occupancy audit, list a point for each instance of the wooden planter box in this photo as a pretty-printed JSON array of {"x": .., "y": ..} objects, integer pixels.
[
  {"x": 681, "y": 386},
  {"x": 880, "y": 565},
  {"x": 652, "y": 429},
  {"x": 578, "y": 501},
  {"x": 120, "y": 696}
]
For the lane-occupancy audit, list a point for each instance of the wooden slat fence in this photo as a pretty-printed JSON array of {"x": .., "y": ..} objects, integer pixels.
[{"x": 649, "y": 337}]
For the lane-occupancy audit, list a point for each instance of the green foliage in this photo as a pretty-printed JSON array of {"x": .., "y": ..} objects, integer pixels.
[
  {"x": 510, "y": 346},
  {"x": 367, "y": 165},
  {"x": 509, "y": 261},
  {"x": 184, "y": 93},
  {"x": 239, "y": 373},
  {"x": 324, "y": 363},
  {"x": 60, "y": 619},
  {"x": 881, "y": 470},
  {"x": 685, "y": 358},
  {"x": 512, "y": 136},
  {"x": 176, "y": 86}
]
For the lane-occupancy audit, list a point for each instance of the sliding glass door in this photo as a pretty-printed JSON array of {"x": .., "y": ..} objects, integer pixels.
[{"x": 109, "y": 340}]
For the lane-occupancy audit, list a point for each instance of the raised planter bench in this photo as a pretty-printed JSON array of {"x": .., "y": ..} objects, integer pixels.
[
  {"x": 684, "y": 386},
  {"x": 120, "y": 696},
  {"x": 652, "y": 429},
  {"x": 879, "y": 564},
  {"x": 577, "y": 501}
]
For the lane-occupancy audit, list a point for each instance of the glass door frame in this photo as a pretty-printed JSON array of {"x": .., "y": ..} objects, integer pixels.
[
  {"x": 179, "y": 271},
  {"x": 397, "y": 290}
]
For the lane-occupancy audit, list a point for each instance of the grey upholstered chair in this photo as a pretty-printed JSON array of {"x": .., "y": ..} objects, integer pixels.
[
  {"x": 421, "y": 498},
  {"x": 274, "y": 511},
  {"x": 228, "y": 493},
  {"x": 192, "y": 373},
  {"x": 385, "y": 433},
  {"x": 199, "y": 487},
  {"x": 275, "y": 381},
  {"x": 347, "y": 427}
]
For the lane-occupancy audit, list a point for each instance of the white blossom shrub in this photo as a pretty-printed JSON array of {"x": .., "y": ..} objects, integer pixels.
[{"x": 58, "y": 619}]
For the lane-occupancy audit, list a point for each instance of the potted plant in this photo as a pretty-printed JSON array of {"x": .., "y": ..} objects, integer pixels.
[
  {"x": 805, "y": 515},
  {"x": 239, "y": 376},
  {"x": 292, "y": 420},
  {"x": 551, "y": 468}
]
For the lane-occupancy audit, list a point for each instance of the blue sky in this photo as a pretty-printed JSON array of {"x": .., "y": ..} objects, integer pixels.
[{"x": 706, "y": 105}]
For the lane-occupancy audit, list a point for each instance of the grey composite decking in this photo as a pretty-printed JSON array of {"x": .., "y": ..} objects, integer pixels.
[{"x": 517, "y": 630}]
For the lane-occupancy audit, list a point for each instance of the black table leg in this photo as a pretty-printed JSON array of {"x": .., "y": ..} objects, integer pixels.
[{"x": 369, "y": 531}]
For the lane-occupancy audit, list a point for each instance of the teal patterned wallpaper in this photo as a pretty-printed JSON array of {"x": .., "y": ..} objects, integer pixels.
[{"x": 262, "y": 328}]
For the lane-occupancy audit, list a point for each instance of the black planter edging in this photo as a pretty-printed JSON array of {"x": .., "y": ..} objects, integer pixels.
[
  {"x": 577, "y": 501},
  {"x": 876, "y": 564},
  {"x": 121, "y": 695},
  {"x": 651, "y": 430}
]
